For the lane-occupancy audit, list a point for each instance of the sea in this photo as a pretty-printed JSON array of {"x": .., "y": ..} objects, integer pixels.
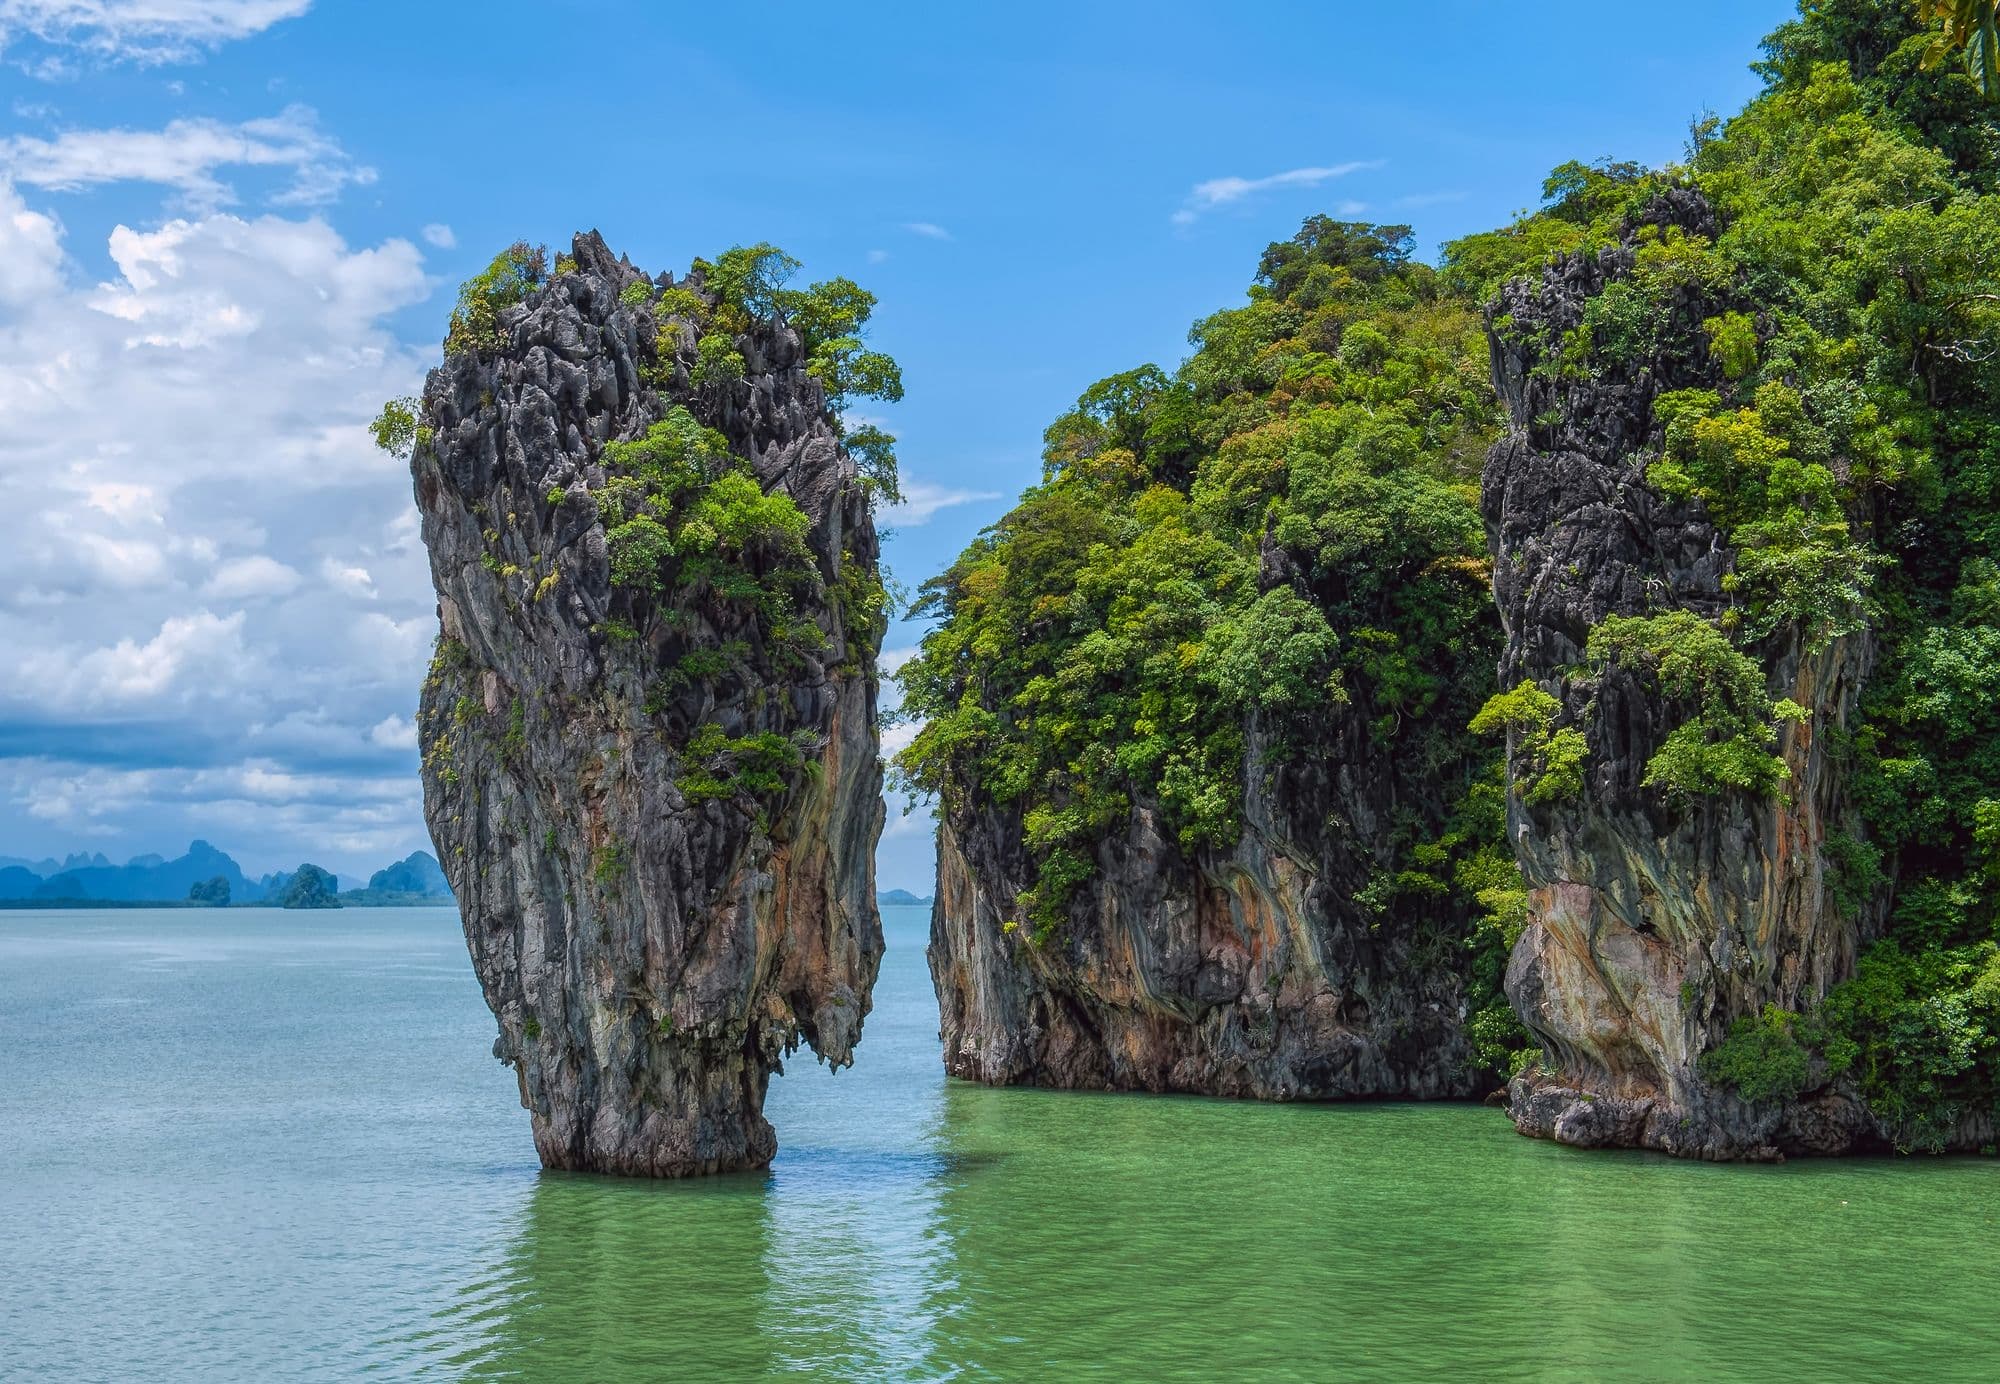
[{"x": 246, "y": 1144}]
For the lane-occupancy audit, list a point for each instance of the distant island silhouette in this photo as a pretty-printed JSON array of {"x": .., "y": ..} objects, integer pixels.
[{"x": 204, "y": 877}]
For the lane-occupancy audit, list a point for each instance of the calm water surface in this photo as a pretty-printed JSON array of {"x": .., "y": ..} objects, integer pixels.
[{"x": 254, "y": 1145}]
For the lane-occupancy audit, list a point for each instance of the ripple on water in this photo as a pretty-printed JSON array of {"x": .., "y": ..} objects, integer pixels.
[{"x": 222, "y": 1165}]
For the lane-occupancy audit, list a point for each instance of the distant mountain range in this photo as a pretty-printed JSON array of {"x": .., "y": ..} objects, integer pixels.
[{"x": 205, "y": 876}]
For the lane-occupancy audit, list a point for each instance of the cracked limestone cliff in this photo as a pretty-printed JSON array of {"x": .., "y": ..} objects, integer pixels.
[
  {"x": 650, "y": 738},
  {"x": 1245, "y": 972},
  {"x": 1654, "y": 921}
]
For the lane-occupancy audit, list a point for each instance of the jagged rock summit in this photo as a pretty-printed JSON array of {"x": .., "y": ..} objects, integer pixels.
[{"x": 650, "y": 737}]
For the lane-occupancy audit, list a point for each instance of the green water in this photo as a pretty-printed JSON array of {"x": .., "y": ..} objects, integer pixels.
[{"x": 250, "y": 1145}]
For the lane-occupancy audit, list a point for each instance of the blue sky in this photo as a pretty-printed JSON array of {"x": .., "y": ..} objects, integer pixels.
[{"x": 229, "y": 228}]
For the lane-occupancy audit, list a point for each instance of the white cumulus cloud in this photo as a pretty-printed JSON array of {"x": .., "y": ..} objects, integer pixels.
[
  {"x": 30, "y": 250},
  {"x": 129, "y": 673},
  {"x": 394, "y": 732},
  {"x": 209, "y": 566},
  {"x": 251, "y": 578}
]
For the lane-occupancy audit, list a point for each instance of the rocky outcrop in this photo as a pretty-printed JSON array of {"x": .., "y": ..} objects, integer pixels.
[
  {"x": 656, "y": 798},
  {"x": 1653, "y": 924},
  {"x": 1254, "y": 972}
]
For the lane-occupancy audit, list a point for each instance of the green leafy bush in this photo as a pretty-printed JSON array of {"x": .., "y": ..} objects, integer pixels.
[
  {"x": 1726, "y": 737},
  {"x": 475, "y": 322},
  {"x": 831, "y": 318},
  {"x": 1796, "y": 554},
  {"x": 1762, "y": 1058},
  {"x": 1554, "y": 757},
  {"x": 1499, "y": 1044},
  {"x": 1918, "y": 1030},
  {"x": 716, "y": 767},
  {"x": 396, "y": 428},
  {"x": 683, "y": 515},
  {"x": 717, "y": 362}
]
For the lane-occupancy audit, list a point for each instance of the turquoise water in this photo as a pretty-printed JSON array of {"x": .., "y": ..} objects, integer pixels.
[{"x": 252, "y": 1145}]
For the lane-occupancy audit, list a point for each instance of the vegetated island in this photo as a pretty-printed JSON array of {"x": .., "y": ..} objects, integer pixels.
[
  {"x": 651, "y": 744},
  {"x": 1702, "y": 460}
]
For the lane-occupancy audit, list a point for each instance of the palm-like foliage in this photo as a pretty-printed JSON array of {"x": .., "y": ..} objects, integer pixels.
[{"x": 1973, "y": 27}]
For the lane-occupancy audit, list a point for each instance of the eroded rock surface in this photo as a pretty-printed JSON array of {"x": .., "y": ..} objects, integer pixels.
[
  {"x": 654, "y": 926},
  {"x": 1245, "y": 974},
  {"x": 1653, "y": 924}
]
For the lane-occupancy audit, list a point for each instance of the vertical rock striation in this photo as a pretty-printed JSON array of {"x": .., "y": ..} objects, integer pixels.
[
  {"x": 1250, "y": 972},
  {"x": 656, "y": 797},
  {"x": 1653, "y": 923}
]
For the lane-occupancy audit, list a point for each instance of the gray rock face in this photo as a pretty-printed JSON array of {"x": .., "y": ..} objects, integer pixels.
[
  {"x": 1652, "y": 926},
  {"x": 1249, "y": 973},
  {"x": 651, "y": 949}
]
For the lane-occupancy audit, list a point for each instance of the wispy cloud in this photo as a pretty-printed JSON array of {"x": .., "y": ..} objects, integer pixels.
[
  {"x": 147, "y": 32},
  {"x": 878, "y": 256},
  {"x": 929, "y": 230},
  {"x": 440, "y": 235},
  {"x": 922, "y": 500},
  {"x": 1222, "y": 192},
  {"x": 187, "y": 154}
]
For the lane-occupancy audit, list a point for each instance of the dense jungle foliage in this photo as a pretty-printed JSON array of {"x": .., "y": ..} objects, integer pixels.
[
  {"x": 1285, "y": 529},
  {"x": 1281, "y": 536}
]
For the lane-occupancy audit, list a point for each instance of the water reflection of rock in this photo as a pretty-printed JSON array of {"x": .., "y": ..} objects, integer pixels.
[
  {"x": 1166, "y": 1237},
  {"x": 607, "y": 1279},
  {"x": 834, "y": 1264},
  {"x": 859, "y": 1266}
]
